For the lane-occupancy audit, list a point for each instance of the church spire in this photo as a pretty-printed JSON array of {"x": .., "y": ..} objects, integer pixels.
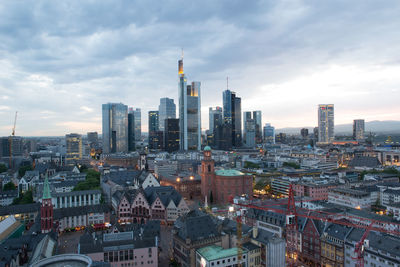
[{"x": 46, "y": 189}]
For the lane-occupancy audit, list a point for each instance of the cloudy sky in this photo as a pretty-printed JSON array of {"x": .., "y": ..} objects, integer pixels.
[{"x": 60, "y": 60}]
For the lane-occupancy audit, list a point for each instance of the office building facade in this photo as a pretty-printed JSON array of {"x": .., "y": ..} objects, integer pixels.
[
  {"x": 115, "y": 128},
  {"x": 166, "y": 110},
  {"x": 189, "y": 112},
  {"x": 233, "y": 115},
  {"x": 269, "y": 134},
  {"x": 326, "y": 132},
  {"x": 171, "y": 135},
  {"x": 358, "y": 130},
  {"x": 73, "y": 143},
  {"x": 131, "y": 130},
  {"x": 153, "y": 129},
  {"x": 137, "y": 115},
  {"x": 93, "y": 139},
  {"x": 257, "y": 116}
]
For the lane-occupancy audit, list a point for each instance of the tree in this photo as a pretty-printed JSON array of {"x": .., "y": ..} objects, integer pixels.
[
  {"x": 3, "y": 168},
  {"x": 291, "y": 165},
  {"x": 91, "y": 182},
  {"x": 211, "y": 198},
  {"x": 9, "y": 186},
  {"x": 24, "y": 198},
  {"x": 23, "y": 169},
  {"x": 251, "y": 165}
]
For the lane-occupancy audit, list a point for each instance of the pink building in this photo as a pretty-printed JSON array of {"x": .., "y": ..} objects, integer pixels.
[{"x": 314, "y": 191}]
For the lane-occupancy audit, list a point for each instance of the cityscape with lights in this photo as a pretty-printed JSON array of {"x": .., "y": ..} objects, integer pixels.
[{"x": 210, "y": 177}]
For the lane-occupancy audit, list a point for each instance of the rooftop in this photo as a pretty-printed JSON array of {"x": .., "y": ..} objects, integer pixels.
[
  {"x": 213, "y": 252},
  {"x": 229, "y": 172}
]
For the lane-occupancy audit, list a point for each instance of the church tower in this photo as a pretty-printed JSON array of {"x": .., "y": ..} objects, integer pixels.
[
  {"x": 207, "y": 175},
  {"x": 46, "y": 210}
]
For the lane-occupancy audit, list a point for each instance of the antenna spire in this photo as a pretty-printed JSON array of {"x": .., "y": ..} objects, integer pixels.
[
  {"x": 227, "y": 83},
  {"x": 182, "y": 53}
]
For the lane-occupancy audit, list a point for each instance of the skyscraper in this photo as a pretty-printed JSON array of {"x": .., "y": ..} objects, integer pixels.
[
  {"x": 166, "y": 110},
  {"x": 233, "y": 115},
  {"x": 211, "y": 121},
  {"x": 137, "y": 114},
  {"x": 131, "y": 130},
  {"x": 93, "y": 139},
  {"x": 269, "y": 133},
  {"x": 153, "y": 128},
  {"x": 257, "y": 116},
  {"x": 250, "y": 128},
  {"x": 171, "y": 135},
  {"x": 358, "y": 130},
  {"x": 326, "y": 124},
  {"x": 246, "y": 116},
  {"x": 115, "y": 128},
  {"x": 189, "y": 112},
  {"x": 73, "y": 143}
]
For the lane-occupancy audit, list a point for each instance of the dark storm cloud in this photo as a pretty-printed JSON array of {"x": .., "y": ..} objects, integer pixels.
[{"x": 60, "y": 60}]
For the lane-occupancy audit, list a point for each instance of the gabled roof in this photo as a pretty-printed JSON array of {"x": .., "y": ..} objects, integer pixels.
[
  {"x": 166, "y": 194},
  {"x": 123, "y": 178},
  {"x": 130, "y": 195},
  {"x": 195, "y": 226},
  {"x": 364, "y": 161}
]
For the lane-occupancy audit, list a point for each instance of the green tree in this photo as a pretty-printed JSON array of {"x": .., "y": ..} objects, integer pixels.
[
  {"x": 251, "y": 165},
  {"x": 291, "y": 165},
  {"x": 9, "y": 186},
  {"x": 91, "y": 182},
  {"x": 3, "y": 168},
  {"x": 23, "y": 169},
  {"x": 24, "y": 198}
]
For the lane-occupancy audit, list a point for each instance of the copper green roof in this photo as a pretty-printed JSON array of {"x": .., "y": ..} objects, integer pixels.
[
  {"x": 207, "y": 148},
  {"x": 214, "y": 252},
  {"x": 229, "y": 172},
  {"x": 46, "y": 189}
]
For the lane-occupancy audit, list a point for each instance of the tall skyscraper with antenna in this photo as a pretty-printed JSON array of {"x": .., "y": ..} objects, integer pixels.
[{"x": 189, "y": 112}]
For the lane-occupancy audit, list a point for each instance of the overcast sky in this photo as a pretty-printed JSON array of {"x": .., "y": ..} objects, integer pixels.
[{"x": 60, "y": 60}]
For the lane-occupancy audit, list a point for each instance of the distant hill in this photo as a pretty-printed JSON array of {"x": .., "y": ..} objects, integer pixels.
[{"x": 373, "y": 126}]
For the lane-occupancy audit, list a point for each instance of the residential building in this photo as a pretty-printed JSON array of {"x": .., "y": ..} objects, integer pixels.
[
  {"x": 74, "y": 147},
  {"x": 7, "y": 197},
  {"x": 189, "y": 112},
  {"x": 352, "y": 198},
  {"x": 311, "y": 244},
  {"x": 358, "y": 130},
  {"x": 390, "y": 196},
  {"x": 326, "y": 132},
  {"x": 171, "y": 135},
  {"x": 166, "y": 110},
  {"x": 115, "y": 128},
  {"x": 272, "y": 248},
  {"x": 332, "y": 244}
]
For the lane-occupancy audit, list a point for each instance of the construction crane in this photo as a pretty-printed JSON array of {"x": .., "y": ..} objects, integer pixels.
[
  {"x": 291, "y": 215},
  {"x": 11, "y": 139}
]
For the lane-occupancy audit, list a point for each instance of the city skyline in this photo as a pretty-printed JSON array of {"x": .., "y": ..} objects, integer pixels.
[{"x": 281, "y": 58}]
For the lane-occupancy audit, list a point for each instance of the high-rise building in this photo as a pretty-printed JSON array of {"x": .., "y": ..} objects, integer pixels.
[
  {"x": 93, "y": 139},
  {"x": 131, "y": 130},
  {"x": 304, "y": 133},
  {"x": 115, "y": 128},
  {"x": 214, "y": 114},
  {"x": 189, "y": 112},
  {"x": 257, "y": 116},
  {"x": 137, "y": 115},
  {"x": 153, "y": 129},
  {"x": 326, "y": 133},
  {"x": 358, "y": 130},
  {"x": 171, "y": 135},
  {"x": 233, "y": 115},
  {"x": 269, "y": 133},
  {"x": 250, "y": 129},
  {"x": 17, "y": 146},
  {"x": 73, "y": 143},
  {"x": 166, "y": 110},
  {"x": 248, "y": 124}
]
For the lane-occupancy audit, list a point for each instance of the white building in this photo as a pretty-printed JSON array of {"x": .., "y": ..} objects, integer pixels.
[{"x": 350, "y": 198}]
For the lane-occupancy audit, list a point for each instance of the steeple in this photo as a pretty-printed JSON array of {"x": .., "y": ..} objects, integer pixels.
[{"x": 46, "y": 189}]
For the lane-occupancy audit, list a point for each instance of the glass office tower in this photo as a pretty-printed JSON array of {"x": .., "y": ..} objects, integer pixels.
[
  {"x": 166, "y": 110},
  {"x": 326, "y": 133},
  {"x": 189, "y": 112},
  {"x": 115, "y": 128}
]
